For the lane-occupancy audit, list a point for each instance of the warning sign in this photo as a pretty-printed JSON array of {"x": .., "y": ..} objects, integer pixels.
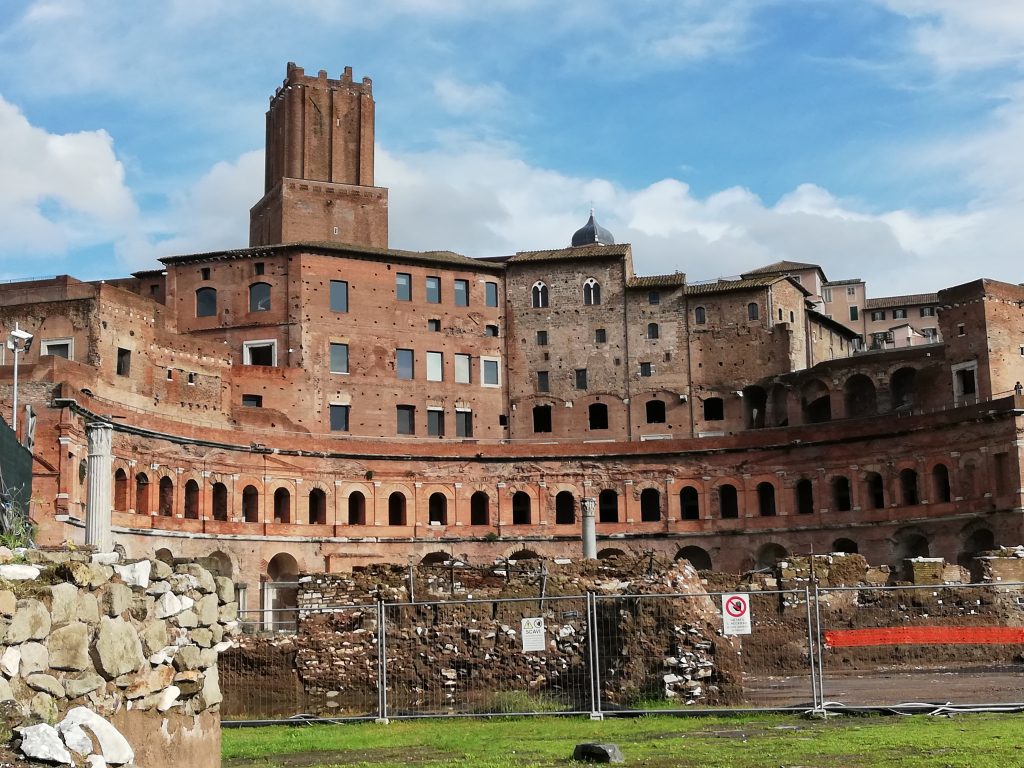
[
  {"x": 533, "y": 635},
  {"x": 735, "y": 614}
]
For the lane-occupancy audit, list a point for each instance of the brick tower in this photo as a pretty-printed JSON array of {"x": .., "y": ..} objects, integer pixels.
[{"x": 319, "y": 165}]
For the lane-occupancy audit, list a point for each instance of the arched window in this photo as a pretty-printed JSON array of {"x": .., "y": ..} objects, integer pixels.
[
  {"x": 206, "y": 302},
  {"x": 804, "y": 497},
  {"x": 689, "y": 503},
  {"x": 191, "y": 500},
  {"x": 396, "y": 508},
  {"x": 480, "y": 509},
  {"x": 714, "y": 409},
  {"x": 728, "y": 506},
  {"x": 875, "y": 490},
  {"x": 591, "y": 291},
  {"x": 166, "y": 506},
  {"x": 700, "y": 315},
  {"x": 521, "y": 512},
  {"x": 317, "y": 507},
  {"x": 841, "y": 493},
  {"x": 655, "y": 411},
  {"x": 653, "y": 331},
  {"x": 753, "y": 313},
  {"x": 282, "y": 506},
  {"x": 259, "y": 297},
  {"x": 766, "y": 499},
  {"x": 540, "y": 295},
  {"x": 608, "y": 506},
  {"x": 908, "y": 487},
  {"x": 220, "y": 502},
  {"x": 598, "y": 416},
  {"x": 250, "y": 504},
  {"x": 142, "y": 493},
  {"x": 940, "y": 483},
  {"x": 437, "y": 509},
  {"x": 565, "y": 508},
  {"x": 121, "y": 491},
  {"x": 356, "y": 508},
  {"x": 650, "y": 505}
]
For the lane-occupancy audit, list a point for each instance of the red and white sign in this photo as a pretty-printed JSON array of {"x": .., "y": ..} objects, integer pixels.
[{"x": 736, "y": 614}]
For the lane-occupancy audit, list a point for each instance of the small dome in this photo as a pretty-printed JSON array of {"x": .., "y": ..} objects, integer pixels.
[{"x": 592, "y": 233}]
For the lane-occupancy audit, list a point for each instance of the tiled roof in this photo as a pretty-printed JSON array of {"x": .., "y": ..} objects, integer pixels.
[
  {"x": 658, "y": 281},
  {"x": 834, "y": 283},
  {"x": 884, "y": 302},
  {"x": 781, "y": 266},
  {"x": 723, "y": 286},
  {"x": 578, "y": 253},
  {"x": 336, "y": 249}
]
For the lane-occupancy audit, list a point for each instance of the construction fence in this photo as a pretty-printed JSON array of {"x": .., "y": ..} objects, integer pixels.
[{"x": 601, "y": 655}]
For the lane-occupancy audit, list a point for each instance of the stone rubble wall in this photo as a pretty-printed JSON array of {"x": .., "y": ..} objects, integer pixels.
[{"x": 133, "y": 643}]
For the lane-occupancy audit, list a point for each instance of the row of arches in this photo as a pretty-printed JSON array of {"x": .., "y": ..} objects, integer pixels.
[{"x": 723, "y": 500}]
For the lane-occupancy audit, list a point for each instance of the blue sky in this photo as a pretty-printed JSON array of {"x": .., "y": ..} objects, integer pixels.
[{"x": 879, "y": 138}]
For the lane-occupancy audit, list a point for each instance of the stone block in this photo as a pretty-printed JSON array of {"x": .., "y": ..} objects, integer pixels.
[
  {"x": 68, "y": 647},
  {"x": 34, "y": 658},
  {"x": 118, "y": 648},
  {"x": 63, "y": 603},
  {"x": 80, "y": 685},
  {"x": 204, "y": 580},
  {"x": 208, "y": 610},
  {"x": 31, "y": 621},
  {"x": 154, "y": 637},
  {"x": 225, "y": 589},
  {"x": 8, "y": 602},
  {"x": 116, "y": 599},
  {"x": 46, "y": 683}
]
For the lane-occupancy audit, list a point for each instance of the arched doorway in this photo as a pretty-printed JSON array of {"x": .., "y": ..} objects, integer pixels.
[
  {"x": 608, "y": 506},
  {"x": 902, "y": 389},
  {"x": 565, "y": 508},
  {"x": 437, "y": 509},
  {"x": 650, "y": 505},
  {"x": 317, "y": 507},
  {"x": 860, "y": 396},
  {"x": 356, "y": 508},
  {"x": 191, "y": 500},
  {"x": 396, "y": 508},
  {"x": 280, "y": 594},
  {"x": 768, "y": 555},
  {"x": 816, "y": 401},
  {"x": 689, "y": 503},
  {"x": 755, "y": 403},
  {"x": 282, "y": 506},
  {"x": 120, "y": 491},
  {"x": 220, "y": 502},
  {"x": 166, "y": 497},
  {"x": 480, "y": 509},
  {"x": 522, "y": 513},
  {"x": 847, "y": 546},
  {"x": 250, "y": 504},
  {"x": 697, "y": 557}
]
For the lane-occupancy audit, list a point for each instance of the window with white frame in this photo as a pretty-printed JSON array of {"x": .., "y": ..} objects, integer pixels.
[
  {"x": 58, "y": 348},
  {"x": 490, "y": 372},
  {"x": 435, "y": 366},
  {"x": 463, "y": 422},
  {"x": 463, "y": 369},
  {"x": 259, "y": 352},
  {"x": 339, "y": 357}
]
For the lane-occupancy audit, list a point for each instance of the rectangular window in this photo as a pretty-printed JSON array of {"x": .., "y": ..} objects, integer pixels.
[
  {"x": 878, "y": 315},
  {"x": 463, "y": 423},
  {"x": 580, "y": 376},
  {"x": 490, "y": 375},
  {"x": 403, "y": 286},
  {"x": 462, "y": 293},
  {"x": 899, "y": 314},
  {"x": 646, "y": 369},
  {"x": 600, "y": 336},
  {"x": 258, "y": 268},
  {"x": 491, "y": 330},
  {"x": 463, "y": 369},
  {"x": 433, "y": 290},
  {"x": 406, "y": 419},
  {"x": 854, "y": 313},
  {"x": 205, "y": 272},
  {"x": 405, "y": 365},
  {"x": 543, "y": 382},
  {"x": 542, "y": 338},
  {"x": 434, "y": 325},
  {"x": 927, "y": 311},
  {"x": 435, "y": 366},
  {"x": 259, "y": 353},
  {"x": 654, "y": 297},
  {"x": 124, "y": 361},
  {"x": 339, "y": 296},
  {"x": 435, "y": 422},
  {"x": 491, "y": 294},
  {"x": 961, "y": 329},
  {"x": 851, "y": 290},
  {"x": 252, "y": 401},
  {"x": 339, "y": 418},
  {"x": 826, "y": 294},
  {"x": 339, "y": 358},
  {"x": 58, "y": 348}
]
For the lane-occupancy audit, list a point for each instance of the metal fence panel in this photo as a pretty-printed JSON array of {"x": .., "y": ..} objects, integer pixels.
[
  {"x": 332, "y": 673},
  {"x": 943, "y": 644},
  {"x": 665, "y": 652},
  {"x": 467, "y": 657}
]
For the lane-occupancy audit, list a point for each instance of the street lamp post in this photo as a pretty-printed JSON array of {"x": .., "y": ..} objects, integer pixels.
[{"x": 18, "y": 341}]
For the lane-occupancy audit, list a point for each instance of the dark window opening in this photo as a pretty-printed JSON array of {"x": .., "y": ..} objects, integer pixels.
[
  {"x": 714, "y": 409},
  {"x": 597, "y": 415},
  {"x": 206, "y": 302},
  {"x": 608, "y": 506},
  {"x": 565, "y": 508},
  {"x": 542, "y": 418},
  {"x": 124, "y": 361},
  {"x": 689, "y": 503},
  {"x": 650, "y": 505}
]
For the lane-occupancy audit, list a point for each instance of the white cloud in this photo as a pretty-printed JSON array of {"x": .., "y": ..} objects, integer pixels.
[
  {"x": 59, "y": 191},
  {"x": 461, "y": 98},
  {"x": 965, "y": 34}
]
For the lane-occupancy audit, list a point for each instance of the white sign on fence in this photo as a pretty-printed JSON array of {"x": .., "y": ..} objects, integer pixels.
[
  {"x": 533, "y": 634},
  {"x": 736, "y": 614}
]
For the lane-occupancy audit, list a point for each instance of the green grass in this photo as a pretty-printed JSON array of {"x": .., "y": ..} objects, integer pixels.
[{"x": 977, "y": 741}]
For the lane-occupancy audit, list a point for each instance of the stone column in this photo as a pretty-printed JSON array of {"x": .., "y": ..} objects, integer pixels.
[
  {"x": 588, "y": 506},
  {"x": 98, "y": 500}
]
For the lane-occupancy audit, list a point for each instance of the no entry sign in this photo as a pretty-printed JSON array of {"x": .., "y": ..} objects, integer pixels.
[{"x": 736, "y": 614}]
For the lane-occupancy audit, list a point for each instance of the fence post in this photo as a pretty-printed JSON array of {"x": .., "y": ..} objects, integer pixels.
[
  {"x": 382, "y": 666},
  {"x": 593, "y": 658},
  {"x": 820, "y": 646},
  {"x": 812, "y": 649}
]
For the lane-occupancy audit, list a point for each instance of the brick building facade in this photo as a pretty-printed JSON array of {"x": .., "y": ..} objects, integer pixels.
[{"x": 319, "y": 401}]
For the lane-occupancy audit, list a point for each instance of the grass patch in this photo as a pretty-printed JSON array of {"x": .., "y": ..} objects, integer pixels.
[{"x": 975, "y": 741}]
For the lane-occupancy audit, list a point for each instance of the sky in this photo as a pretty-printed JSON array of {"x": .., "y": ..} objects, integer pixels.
[{"x": 881, "y": 139}]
